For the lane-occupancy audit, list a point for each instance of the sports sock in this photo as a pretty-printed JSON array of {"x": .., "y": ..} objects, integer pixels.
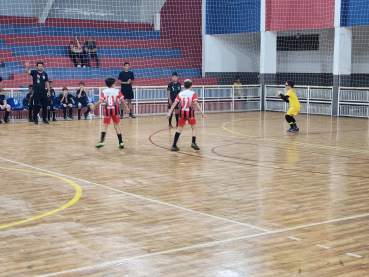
[
  {"x": 121, "y": 112},
  {"x": 30, "y": 113},
  {"x": 54, "y": 115},
  {"x": 102, "y": 136},
  {"x": 130, "y": 111},
  {"x": 65, "y": 111},
  {"x": 193, "y": 139},
  {"x": 79, "y": 112},
  {"x": 177, "y": 118},
  {"x": 6, "y": 115},
  {"x": 70, "y": 111},
  {"x": 120, "y": 138},
  {"x": 88, "y": 110},
  {"x": 48, "y": 115},
  {"x": 176, "y": 137},
  {"x": 170, "y": 119}
]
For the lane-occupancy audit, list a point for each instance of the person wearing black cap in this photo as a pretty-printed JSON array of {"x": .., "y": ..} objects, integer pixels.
[
  {"x": 174, "y": 88},
  {"x": 126, "y": 79}
]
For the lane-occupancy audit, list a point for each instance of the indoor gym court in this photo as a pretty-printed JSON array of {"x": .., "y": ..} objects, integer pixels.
[{"x": 254, "y": 201}]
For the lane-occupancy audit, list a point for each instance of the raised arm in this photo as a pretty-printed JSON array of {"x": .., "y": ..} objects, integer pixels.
[{"x": 27, "y": 68}]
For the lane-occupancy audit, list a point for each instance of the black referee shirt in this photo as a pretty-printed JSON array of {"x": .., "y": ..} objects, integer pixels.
[
  {"x": 124, "y": 77},
  {"x": 174, "y": 90},
  {"x": 39, "y": 80}
]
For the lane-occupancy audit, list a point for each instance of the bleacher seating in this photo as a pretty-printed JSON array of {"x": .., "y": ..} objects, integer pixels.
[{"x": 152, "y": 59}]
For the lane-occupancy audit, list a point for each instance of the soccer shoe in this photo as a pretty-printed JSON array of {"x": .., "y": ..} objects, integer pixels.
[
  {"x": 6, "y": 120},
  {"x": 290, "y": 130},
  {"x": 121, "y": 145},
  {"x": 36, "y": 121},
  {"x": 1, "y": 122},
  {"x": 30, "y": 120},
  {"x": 174, "y": 148},
  {"x": 65, "y": 118},
  {"x": 54, "y": 119},
  {"x": 78, "y": 66},
  {"x": 170, "y": 126},
  {"x": 45, "y": 122},
  {"x": 100, "y": 144},
  {"x": 71, "y": 117},
  {"x": 79, "y": 118},
  {"x": 296, "y": 129},
  {"x": 194, "y": 146},
  {"x": 131, "y": 116},
  {"x": 86, "y": 115}
]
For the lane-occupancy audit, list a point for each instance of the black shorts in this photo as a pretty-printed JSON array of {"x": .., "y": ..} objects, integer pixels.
[
  {"x": 176, "y": 107},
  {"x": 128, "y": 94},
  {"x": 83, "y": 102}
]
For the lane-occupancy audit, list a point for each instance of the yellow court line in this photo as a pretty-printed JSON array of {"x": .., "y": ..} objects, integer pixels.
[
  {"x": 76, "y": 197},
  {"x": 293, "y": 142}
]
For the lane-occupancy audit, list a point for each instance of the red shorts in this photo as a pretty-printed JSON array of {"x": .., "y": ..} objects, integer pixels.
[
  {"x": 182, "y": 121},
  {"x": 115, "y": 118}
]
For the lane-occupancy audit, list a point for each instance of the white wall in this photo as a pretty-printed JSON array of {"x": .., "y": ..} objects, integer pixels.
[
  {"x": 308, "y": 61},
  {"x": 231, "y": 53},
  {"x": 360, "y": 50},
  {"x": 15, "y": 8}
]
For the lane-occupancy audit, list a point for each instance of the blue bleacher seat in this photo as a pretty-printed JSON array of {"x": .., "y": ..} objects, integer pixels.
[
  {"x": 14, "y": 104},
  {"x": 90, "y": 100}
]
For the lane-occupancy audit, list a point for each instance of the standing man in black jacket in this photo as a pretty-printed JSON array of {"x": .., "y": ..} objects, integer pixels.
[{"x": 40, "y": 79}]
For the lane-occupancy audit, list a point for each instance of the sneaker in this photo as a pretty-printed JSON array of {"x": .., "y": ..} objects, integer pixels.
[
  {"x": 170, "y": 126},
  {"x": 131, "y": 116},
  {"x": 54, "y": 119},
  {"x": 6, "y": 120},
  {"x": 48, "y": 119},
  {"x": 194, "y": 146},
  {"x": 121, "y": 116},
  {"x": 121, "y": 145},
  {"x": 79, "y": 118},
  {"x": 78, "y": 66},
  {"x": 30, "y": 120},
  {"x": 290, "y": 130},
  {"x": 45, "y": 122},
  {"x": 86, "y": 115},
  {"x": 1, "y": 122},
  {"x": 71, "y": 117},
  {"x": 174, "y": 148},
  {"x": 65, "y": 118},
  {"x": 84, "y": 66},
  {"x": 100, "y": 144},
  {"x": 296, "y": 129},
  {"x": 35, "y": 122}
]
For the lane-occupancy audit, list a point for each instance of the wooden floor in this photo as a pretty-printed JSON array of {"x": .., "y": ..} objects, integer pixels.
[{"x": 254, "y": 201}]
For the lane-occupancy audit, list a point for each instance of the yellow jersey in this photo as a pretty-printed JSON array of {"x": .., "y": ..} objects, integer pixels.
[
  {"x": 237, "y": 89},
  {"x": 294, "y": 101}
]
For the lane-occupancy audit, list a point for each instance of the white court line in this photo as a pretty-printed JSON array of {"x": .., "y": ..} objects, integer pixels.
[
  {"x": 141, "y": 197},
  {"x": 294, "y": 238},
  {"x": 354, "y": 255},
  {"x": 322, "y": 246},
  {"x": 291, "y": 143}
]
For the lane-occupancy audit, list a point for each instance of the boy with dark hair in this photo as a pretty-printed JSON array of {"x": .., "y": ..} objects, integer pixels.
[
  {"x": 126, "y": 79},
  {"x": 4, "y": 106},
  {"x": 295, "y": 106},
  {"x": 174, "y": 88},
  {"x": 237, "y": 88},
  {"x": 51, "y": 102},
  {"x": 186, "y": 100},
  {"x": 110, "y": 96},
  {"x": 66, "y": 100},
  {"x": 29, "y": 102},
  {"x": 81, "y": 96}
]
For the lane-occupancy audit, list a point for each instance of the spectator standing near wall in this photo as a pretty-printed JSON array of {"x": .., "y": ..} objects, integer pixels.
[
  {"x": 40, "y": 79},
  {"x": 91, "y": 51},
  {"x": 126, "y": 79},
  {"x": 76, "y": 51},
  {"x": 237, "y": 88}
]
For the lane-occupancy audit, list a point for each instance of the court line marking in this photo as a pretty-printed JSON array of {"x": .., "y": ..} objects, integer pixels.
[
  {"x": 119, "y": 261},
  {"x": 292, "y": 142},
  {"x": 76, "y": 197},
  {"x": 294, "y": 238},
  {"x": 322, "y": 246},
  {"x": 354, "y": 255},
  {"x": 141, "y": 197}
]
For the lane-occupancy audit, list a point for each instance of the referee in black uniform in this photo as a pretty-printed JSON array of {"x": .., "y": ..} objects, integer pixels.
[
  {"x": 40, "y": 78},
  {"x": 126, "y": 79}
]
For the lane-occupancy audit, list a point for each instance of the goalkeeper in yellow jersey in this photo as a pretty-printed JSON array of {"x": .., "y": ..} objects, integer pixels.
[{"x": 295, "y": 106}]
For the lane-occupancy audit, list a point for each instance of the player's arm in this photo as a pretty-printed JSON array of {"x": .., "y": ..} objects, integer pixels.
[
  {"x": 48, "y": 88},
  {"x": 169, "y": 98},
  {"x": 196, "y": 103},
  {"x": 27, "y": 68},
  {"x": 284, "y": 97},
  {"x": 124, "y": 104},
  {"x": 171, "y": 109},
  {"x": 122, "y": 83}
]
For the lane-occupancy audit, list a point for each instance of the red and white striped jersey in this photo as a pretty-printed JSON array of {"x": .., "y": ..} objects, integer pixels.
[
  {"x": 186, "y": 98},
  {"x": 110, "y": 96}
]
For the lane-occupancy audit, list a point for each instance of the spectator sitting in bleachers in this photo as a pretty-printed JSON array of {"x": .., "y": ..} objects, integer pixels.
[
  {"x": 91, "y": 51},
  {"x": 66, "y": 100},
  {"x": 76, "y": 51},
  {"x": 51, "y": 103},
  {"x": 4, "y": 106},
  {"x": 29, "y": 102},
  {"x": 82, "y": 96}
]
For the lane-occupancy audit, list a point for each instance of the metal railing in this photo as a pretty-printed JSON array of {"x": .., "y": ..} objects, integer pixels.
[{"x": 353, "y": 102}]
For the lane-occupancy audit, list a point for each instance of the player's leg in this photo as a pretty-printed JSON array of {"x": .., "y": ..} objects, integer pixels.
[
  {"x": 7, "y": 112},
  {"x": 130, "y": 107},
  {"x": 79, "y": 110},
  {"x": 177, "y": 114},
  {"x": 30, "y": 109},
  {"x": 170, "y": 118},
  {"x": 36, "y": 107},
  {"x": 192, "y": 122},
  {"x": 52, "y": 109},
  {"x": 90, "y": 107},
  {"x": 290, "y": 121},
  {"x": 70, "y": 111},
  {"x": 181, "y": 123},
  {"x": 65, "y": 111},
  {"x": 107, "y": 120},
  {"x": 44, "y": 105},
  {"x": 117, "y": 129}
]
